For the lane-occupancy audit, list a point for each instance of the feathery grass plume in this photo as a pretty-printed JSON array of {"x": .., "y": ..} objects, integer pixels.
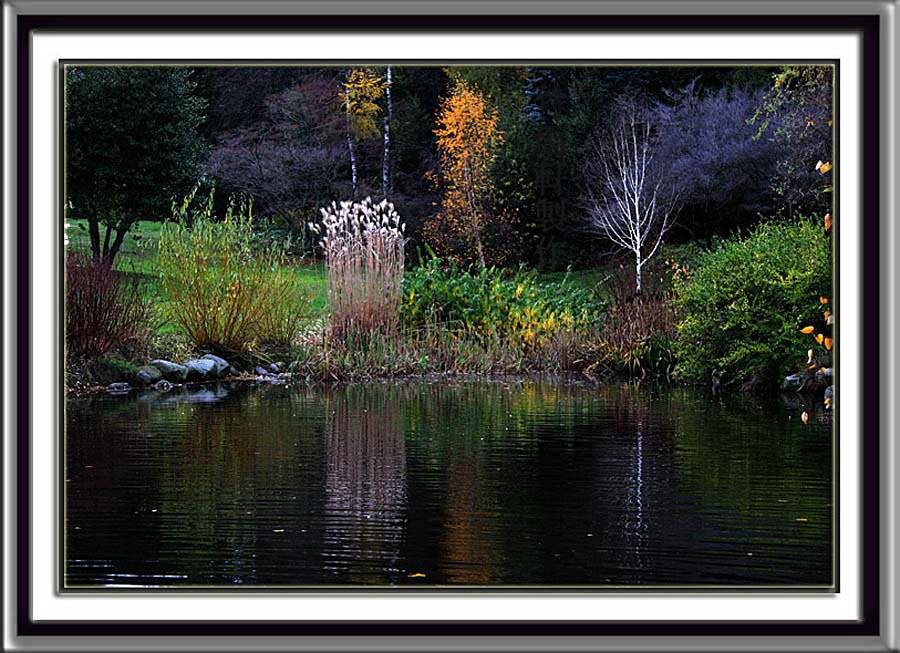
[{"x": 363, "y": 244}]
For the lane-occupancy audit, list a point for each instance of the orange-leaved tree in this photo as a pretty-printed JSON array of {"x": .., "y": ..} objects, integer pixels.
[{"x": 467, "y": 138}]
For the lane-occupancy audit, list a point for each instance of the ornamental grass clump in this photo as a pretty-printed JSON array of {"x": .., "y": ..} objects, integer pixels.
[
  {"x": 363, "y": 244},
  {"x": 225, "y": 294}
]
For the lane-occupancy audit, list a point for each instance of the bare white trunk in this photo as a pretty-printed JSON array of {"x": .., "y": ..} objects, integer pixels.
[
  {"x": 350, "y": 145},
  {"x": 637, "y": 276},
  {"x": 386, "y": 185}
]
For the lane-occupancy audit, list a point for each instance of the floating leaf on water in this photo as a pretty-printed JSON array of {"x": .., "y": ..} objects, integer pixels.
[
  {"x": 278, "y": 530},
  {"x": 417, "y": 575},
  {"x": 801, "y": 519},
  {"x": 820, "y": 338},
  {"x": 807, "y": 329},
  {"x": 828, "y": 342},
  {"x": 825, "y": 167},
  {"x": 823, "y": 300}
]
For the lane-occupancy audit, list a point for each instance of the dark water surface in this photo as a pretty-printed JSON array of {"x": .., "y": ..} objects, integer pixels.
[{"x": 528, "y": 482}]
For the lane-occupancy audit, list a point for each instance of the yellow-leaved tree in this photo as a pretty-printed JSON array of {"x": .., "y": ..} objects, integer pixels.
[{"x": 362, "y": 91}]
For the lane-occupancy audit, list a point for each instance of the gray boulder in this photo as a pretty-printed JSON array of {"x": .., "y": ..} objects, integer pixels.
[
  {"x": 171, "y": 371},
  {"x": 825, "y": 375},
  {"x": 222, "y": 365},
  {"x": 149, "y": 374},
  {"x": 261, "y": 371},
  {"x": 118, "y": 388},
  {"x": 792, "y": 382},
  {"x": 201, "y": 369},
  {"x": 233, "y": 371}
]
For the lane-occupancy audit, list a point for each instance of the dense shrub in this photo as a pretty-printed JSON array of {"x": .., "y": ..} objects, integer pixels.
[
  {"x": 104, "y": 308},
  {"x": 492, "y": 301},
  {"x": 222, "y": 292},
  {"x": 743, "y": 306}
]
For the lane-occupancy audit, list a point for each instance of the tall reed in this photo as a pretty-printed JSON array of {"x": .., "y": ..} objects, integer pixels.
[{"x": 363, "y": 244}]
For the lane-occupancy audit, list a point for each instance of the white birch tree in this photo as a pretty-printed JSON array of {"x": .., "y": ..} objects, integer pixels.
[
  {"x": 386, "y": 176},
  {"x": 628, "y": 195}
]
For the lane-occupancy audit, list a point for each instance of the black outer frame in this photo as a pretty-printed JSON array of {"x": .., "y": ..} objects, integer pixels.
[{"x": 867, "y": 24}]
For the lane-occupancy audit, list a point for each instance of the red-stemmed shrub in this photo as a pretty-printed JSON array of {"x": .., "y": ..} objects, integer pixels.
[{"x": 104, "y": 307}]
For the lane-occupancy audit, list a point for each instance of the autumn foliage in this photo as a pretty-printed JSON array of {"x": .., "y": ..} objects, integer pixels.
[{"x": 465, "y": 228}]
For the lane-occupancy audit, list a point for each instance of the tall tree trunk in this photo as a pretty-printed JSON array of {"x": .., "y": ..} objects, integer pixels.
[
  {"x": 474, "y": 212},
  {"x": 117, "y": 243},
  {"x": 106, "y": 240},
  {"x": 637, "y": 277},
  {"x": 350, "y": 144},
  {"x": 94, "y": 229},
  {"x": 386, "y": 177},
  {"x": 478, "y": 247}
]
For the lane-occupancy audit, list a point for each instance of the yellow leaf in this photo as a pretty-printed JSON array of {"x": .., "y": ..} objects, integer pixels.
[
  {"x": 417, "y": 575},
  {"x": 828, "y": 342},
  {"x": 812, "y": 366},
  {"x": 807, "y": 329},
  {"x": 825, "y": 167},
  {"x": 819, "y": 338},
  {"x": 823, "y": 300},
  {"x": 278, "y": 530},
  {"x": 827, "y": 314},
  {"x": 805, "y": 417},
  {"x": 801, "y": 519},
  {"x": 827, "y": 221}
]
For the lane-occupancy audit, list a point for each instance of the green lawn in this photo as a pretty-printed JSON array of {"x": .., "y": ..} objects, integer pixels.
[{"x": 138, "y": 251}]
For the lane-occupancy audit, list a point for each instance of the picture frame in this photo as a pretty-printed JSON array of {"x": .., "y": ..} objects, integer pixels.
[{"x": 874, "y": 23}]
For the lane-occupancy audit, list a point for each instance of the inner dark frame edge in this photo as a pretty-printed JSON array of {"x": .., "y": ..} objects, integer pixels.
[{"x": 868, "y": 25}]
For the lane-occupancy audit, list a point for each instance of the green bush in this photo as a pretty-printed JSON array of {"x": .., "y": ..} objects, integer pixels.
[
  {"x": 742, "y": 307},
  {"x": 492, "y": 301},
  {"x": 225, "y": 294}
]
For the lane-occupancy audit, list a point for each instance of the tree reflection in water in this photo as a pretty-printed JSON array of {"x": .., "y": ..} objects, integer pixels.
[{"x": 365, "y": 486}]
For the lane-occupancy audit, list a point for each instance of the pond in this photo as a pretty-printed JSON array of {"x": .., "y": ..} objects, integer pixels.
[{"x": 527, "y": 482}]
